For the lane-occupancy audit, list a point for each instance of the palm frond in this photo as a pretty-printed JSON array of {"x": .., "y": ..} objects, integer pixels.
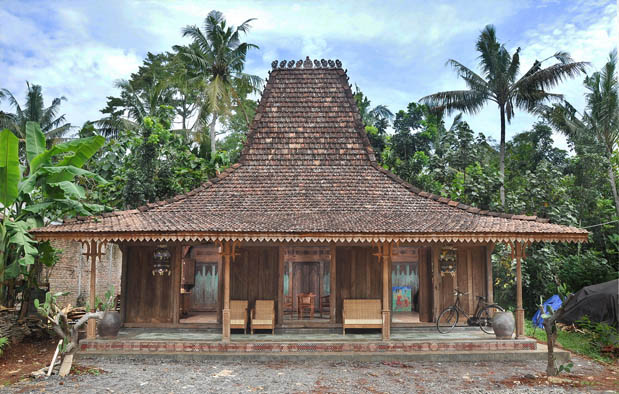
[
  {"x": 549, "y": 77},
  {"x": 468, "y": 101},
  {"x": 472, "y": 79}
]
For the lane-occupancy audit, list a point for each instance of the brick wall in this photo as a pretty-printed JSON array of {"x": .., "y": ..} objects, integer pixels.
[{"x": 72, "y": 272}]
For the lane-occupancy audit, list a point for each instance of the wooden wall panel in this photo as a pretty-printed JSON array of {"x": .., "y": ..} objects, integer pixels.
[
  {"x": 358, "y": 275},
  {"x": 150, "y": 299},
  {"x": 425, "y": 285},
  {"x": 254, "y": 274},
  {"x": 478, "y": 260},
  {"x": 470, "y": 278},
  {"x": 462, "y": 273}
]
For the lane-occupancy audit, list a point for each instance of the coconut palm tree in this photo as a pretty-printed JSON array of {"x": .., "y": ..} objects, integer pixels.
[
  {"x": 600, "y": 119},
  {"x": 219, "y": 55},
  {"x": 53, "y": 125},
  {"x": 376, "y": 116},
  {"x": 500, "y": 83}
]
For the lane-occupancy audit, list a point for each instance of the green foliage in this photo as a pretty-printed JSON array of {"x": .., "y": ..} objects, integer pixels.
[
  {"x": 33, "y": 110},
  {"x": 149, "y": 164},
  {"x": 3, "y": 342},
  {"x": 10, "y": 173},
  {"x": 48, "y": 191},
  {"x": 107, "y": 303},
  {"x": 570, "y": 340},
  {"x": 567, "y": 367},
  {"x": 600, "y": 334},
  {"x": 46, "y": 309},
  {"x": 499, "y": 82}
]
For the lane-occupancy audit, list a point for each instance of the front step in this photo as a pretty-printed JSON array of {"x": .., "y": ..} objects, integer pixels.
[{"x": 436, "y": 350}]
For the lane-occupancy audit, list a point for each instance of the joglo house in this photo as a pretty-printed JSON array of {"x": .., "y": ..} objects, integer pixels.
[{"x": 304, "y": 227}]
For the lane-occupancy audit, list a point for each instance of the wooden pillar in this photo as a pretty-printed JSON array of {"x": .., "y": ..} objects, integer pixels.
[
  {"x": 280, "y": 285},
  {"x": 518, "y": 251},
  {"x": 332, "y": 290},
  {"x": 227, "y": 255},
  {"x": 436, "y": 281},
  {"x": 123, "y": 283},
  {"x": 177, "y": 269},
  {"x": 94, "y": 250},
  {"x": 469, "y": 284},
  {"x": 386, "y": 260},
  {"x": 489, "y": 279}
]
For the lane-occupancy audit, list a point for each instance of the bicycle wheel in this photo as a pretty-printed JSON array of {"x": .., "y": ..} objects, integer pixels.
[
  {"x": 447, "y": 320},
  {"x": 485, "y": 317}
]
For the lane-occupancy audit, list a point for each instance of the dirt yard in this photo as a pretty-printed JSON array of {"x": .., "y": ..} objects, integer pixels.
[
  {"x": 164, "y": 376},
  {"x": 21, "y": 359}
]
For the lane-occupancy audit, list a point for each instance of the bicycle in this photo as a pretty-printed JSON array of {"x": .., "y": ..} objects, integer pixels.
[{"x": 483, "y": 315}]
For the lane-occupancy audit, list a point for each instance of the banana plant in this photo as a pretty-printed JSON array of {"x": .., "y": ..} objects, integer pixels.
[{"x": 41, "y": 191}]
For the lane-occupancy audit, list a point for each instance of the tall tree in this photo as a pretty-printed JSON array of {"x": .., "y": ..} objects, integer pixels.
[
  {"x": 600, "y": 118},
  {"x": 219, "y": 55},
  {"x": 33, "y": 110},
  {"x": 499, "y": 83}
]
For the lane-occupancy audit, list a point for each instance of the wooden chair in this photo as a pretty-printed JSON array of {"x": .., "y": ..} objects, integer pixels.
[
  {"x": 306, "y": 303},
  {"x": 325, "y": 305},
  {"x": 288, "y": 305},
  {"x": 263, "y": 316},
  {"x": 362, "y": 314},
  {"x": 238, "y": 314}
]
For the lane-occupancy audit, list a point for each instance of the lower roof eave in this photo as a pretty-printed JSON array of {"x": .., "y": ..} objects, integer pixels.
[{"x": 470, "y": 237}]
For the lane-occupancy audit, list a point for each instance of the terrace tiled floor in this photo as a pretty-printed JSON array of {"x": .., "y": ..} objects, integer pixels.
[{"x": 458, "y": 334}]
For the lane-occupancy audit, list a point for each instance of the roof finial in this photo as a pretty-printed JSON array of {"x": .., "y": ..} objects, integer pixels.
[{"x": 307, "y": 63}]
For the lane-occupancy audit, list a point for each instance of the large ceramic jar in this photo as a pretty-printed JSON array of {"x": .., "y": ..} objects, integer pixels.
[
  {"x": 503, "y": 324},
  {"x": 109, "y": 325}
]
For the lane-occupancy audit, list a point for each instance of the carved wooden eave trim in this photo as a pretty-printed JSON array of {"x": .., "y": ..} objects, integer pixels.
[{"x": 318, "y": 237}]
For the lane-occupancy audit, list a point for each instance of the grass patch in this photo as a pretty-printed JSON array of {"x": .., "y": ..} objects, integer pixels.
[{"x": 572, "y": 341}]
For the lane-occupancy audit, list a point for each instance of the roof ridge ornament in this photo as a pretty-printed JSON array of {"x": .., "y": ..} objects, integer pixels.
[{"x": 307, "y": 63}]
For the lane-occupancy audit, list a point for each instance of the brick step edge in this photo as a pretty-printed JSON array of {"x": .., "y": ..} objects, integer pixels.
[{"x": 300, "y": 347}]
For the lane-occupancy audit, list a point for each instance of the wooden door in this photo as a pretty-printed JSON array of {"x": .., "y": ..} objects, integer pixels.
[
  {"x": 306, "y": 279},
  {"x": 204, "y": 295}
]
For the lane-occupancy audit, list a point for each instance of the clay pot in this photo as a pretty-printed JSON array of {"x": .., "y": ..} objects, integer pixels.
[
  {"x": 503, "y": 324},
  {"x": 109, "y": 326}
]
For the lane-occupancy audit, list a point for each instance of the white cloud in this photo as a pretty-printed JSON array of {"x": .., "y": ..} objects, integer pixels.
[{"x": 394, "y": 51}]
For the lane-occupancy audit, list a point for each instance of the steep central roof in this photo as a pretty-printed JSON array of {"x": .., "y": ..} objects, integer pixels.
[
  {"x": 308, "y": 172},
  {"x": 307, "y": 118}
]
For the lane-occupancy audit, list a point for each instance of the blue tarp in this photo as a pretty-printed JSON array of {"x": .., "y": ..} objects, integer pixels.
[{"x": 555, "y": 302}]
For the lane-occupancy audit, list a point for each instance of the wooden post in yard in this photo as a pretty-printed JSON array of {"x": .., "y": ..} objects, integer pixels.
[
  {"x": 93, "y": 251},
  {"x": 386, "y": 257},
  {"x": 227, "y": 253}
]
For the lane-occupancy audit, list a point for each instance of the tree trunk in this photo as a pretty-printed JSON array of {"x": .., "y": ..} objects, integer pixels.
[
  {"x": 611, "y": 178},
  {"x": 212, "y": 136},
  {"x": 551, "y": 336},
  {"x": 550, "y": 326},
  {"x": 502, "y": 158}
]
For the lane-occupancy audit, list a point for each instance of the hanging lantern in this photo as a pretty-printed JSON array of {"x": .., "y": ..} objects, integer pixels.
[{"x": 161, "y": 261}]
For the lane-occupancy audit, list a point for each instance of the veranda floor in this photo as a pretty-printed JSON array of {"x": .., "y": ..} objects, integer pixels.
[{"x": 151, "y": 334}]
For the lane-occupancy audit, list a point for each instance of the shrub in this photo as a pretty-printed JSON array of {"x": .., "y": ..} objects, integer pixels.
[{"x": 3, "y": 342}]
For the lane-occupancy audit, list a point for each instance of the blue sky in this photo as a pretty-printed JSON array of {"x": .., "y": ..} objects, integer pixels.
[{"x": 394, "y": 50}]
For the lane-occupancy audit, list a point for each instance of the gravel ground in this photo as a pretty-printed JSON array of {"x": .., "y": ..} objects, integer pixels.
[{"x": 166, "y": 376}]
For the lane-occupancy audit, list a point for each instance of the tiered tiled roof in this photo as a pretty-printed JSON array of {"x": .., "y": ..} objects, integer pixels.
[{"x": 308, "y": 172}]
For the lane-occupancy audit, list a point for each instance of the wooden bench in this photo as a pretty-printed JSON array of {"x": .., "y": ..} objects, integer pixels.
[{"x": 362, "y": 314}]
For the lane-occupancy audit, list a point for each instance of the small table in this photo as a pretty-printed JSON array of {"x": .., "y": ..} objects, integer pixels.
[{"x": 305, "y": 301}]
